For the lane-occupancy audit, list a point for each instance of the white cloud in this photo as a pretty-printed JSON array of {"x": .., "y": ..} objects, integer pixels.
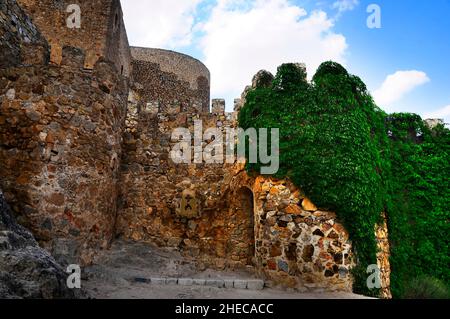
[
  {"x": 345, "y": 5},
  {"x": 159, "y": 23},
  {"x": 443, "y": 113},
  {"x": 397, "y": 85},
  {"x": 242, "y": 37}
]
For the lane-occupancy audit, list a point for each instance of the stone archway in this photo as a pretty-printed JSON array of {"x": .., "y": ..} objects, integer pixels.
[{"x": 245, "y": 214}]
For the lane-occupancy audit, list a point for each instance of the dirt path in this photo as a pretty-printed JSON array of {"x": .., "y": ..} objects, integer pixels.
[{"x": 126, "y": 270}]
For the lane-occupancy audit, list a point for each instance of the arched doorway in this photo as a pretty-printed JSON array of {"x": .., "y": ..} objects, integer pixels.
[{"x": 246, "y": 224}]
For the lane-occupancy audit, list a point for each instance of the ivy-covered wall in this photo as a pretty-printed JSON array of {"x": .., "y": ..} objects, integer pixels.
[
  {"x": 419, "y": 202},
  {"x": 352, "y": 158}
]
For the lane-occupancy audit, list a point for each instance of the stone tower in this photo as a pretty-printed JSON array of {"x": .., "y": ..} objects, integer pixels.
[{"x": 101, "y": 33}]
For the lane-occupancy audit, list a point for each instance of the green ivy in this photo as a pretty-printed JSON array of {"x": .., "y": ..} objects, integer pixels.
[
  {"x": 351, "y": 157},
  {"x": 418, "y": 214}
]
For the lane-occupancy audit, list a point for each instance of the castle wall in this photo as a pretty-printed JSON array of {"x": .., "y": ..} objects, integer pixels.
[
  {"x": 285, "y": 237},
  {"x": 297, "y": 245},
  {"x": 153, "y": 187},
  {"x": 81, "y": 163},
  {"x": 60, "y": 134},
  {"x": 99, "y": 34},
  {"x": 20, "y": 40},
  {"x": 192, "y": 76}
]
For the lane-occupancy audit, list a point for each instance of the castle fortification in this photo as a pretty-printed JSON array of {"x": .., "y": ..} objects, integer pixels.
[
  {"x": 86, "y": 127},
  {"x": 101, "y": 33}
]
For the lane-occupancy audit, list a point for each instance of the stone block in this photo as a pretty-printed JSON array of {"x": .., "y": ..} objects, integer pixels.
[
  {"x": 214, "y": 283},
  {"x": 171, "y": 281},
  {"x": 228, "y": 283},
  {"x": 255, "y": 284},
  {"x": 185, "y": 281},
  {"x": 240, "y": 284},
  {"x": 199, "y": 282},
  {"x": 158, "y": 281},
  {"x": 33, "y": 53}
]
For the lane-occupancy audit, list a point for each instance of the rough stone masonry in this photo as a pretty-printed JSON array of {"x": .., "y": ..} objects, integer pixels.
[{"x": 85, "y": 136}]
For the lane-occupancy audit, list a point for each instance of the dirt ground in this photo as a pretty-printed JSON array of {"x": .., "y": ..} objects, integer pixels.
[{"x": 123, "y": 271}]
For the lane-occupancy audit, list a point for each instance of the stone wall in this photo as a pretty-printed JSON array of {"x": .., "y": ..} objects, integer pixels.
[
  {"x": 296, "y": 244},
  {"x": 234, "y": 220},
  {"x": 20, "y": 40},
  {"x": 117, "y": 47},
  {"x": 60, "y": 135},
  {"x": 26, "y": 270},
  {"x": 383, "y": 255},
  {"x": 158, "y": 91},
  {"x": 154, "y": 190},
  {"x": 186, "y": 75},
  {"x": 101, "y": 34}
]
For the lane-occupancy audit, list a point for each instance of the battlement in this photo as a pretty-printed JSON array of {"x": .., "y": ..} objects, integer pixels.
[{"x": 219, "y": 106}]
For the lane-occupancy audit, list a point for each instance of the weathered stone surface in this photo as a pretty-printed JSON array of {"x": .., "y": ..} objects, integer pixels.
[
  {"x": 102, "y": 32},
  {"x": 255, "y": 284},
  {"x": 308, "y": 252},
  {"x": 183, "y": 75},
  {"x": 60, "y": 157},
  {"x": 218, "y": 283},
  {"x": 158, "y": 281},
  {"x": 240, "y": 284},
  {"x": 185, "y": 282},
  {"x": 20, "y": 40},
  {"x": 308, "y": 205},
  {"x": 292, "y": 249},
  {"x": 171, "y": 281},
  {"x": 26, "y": 270},
  {"x": 228, "y": 283},
  {"x": 199, "y": 282}
]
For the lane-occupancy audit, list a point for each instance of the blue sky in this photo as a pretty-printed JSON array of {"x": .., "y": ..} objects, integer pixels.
[{"x": 405, "y": 63}]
